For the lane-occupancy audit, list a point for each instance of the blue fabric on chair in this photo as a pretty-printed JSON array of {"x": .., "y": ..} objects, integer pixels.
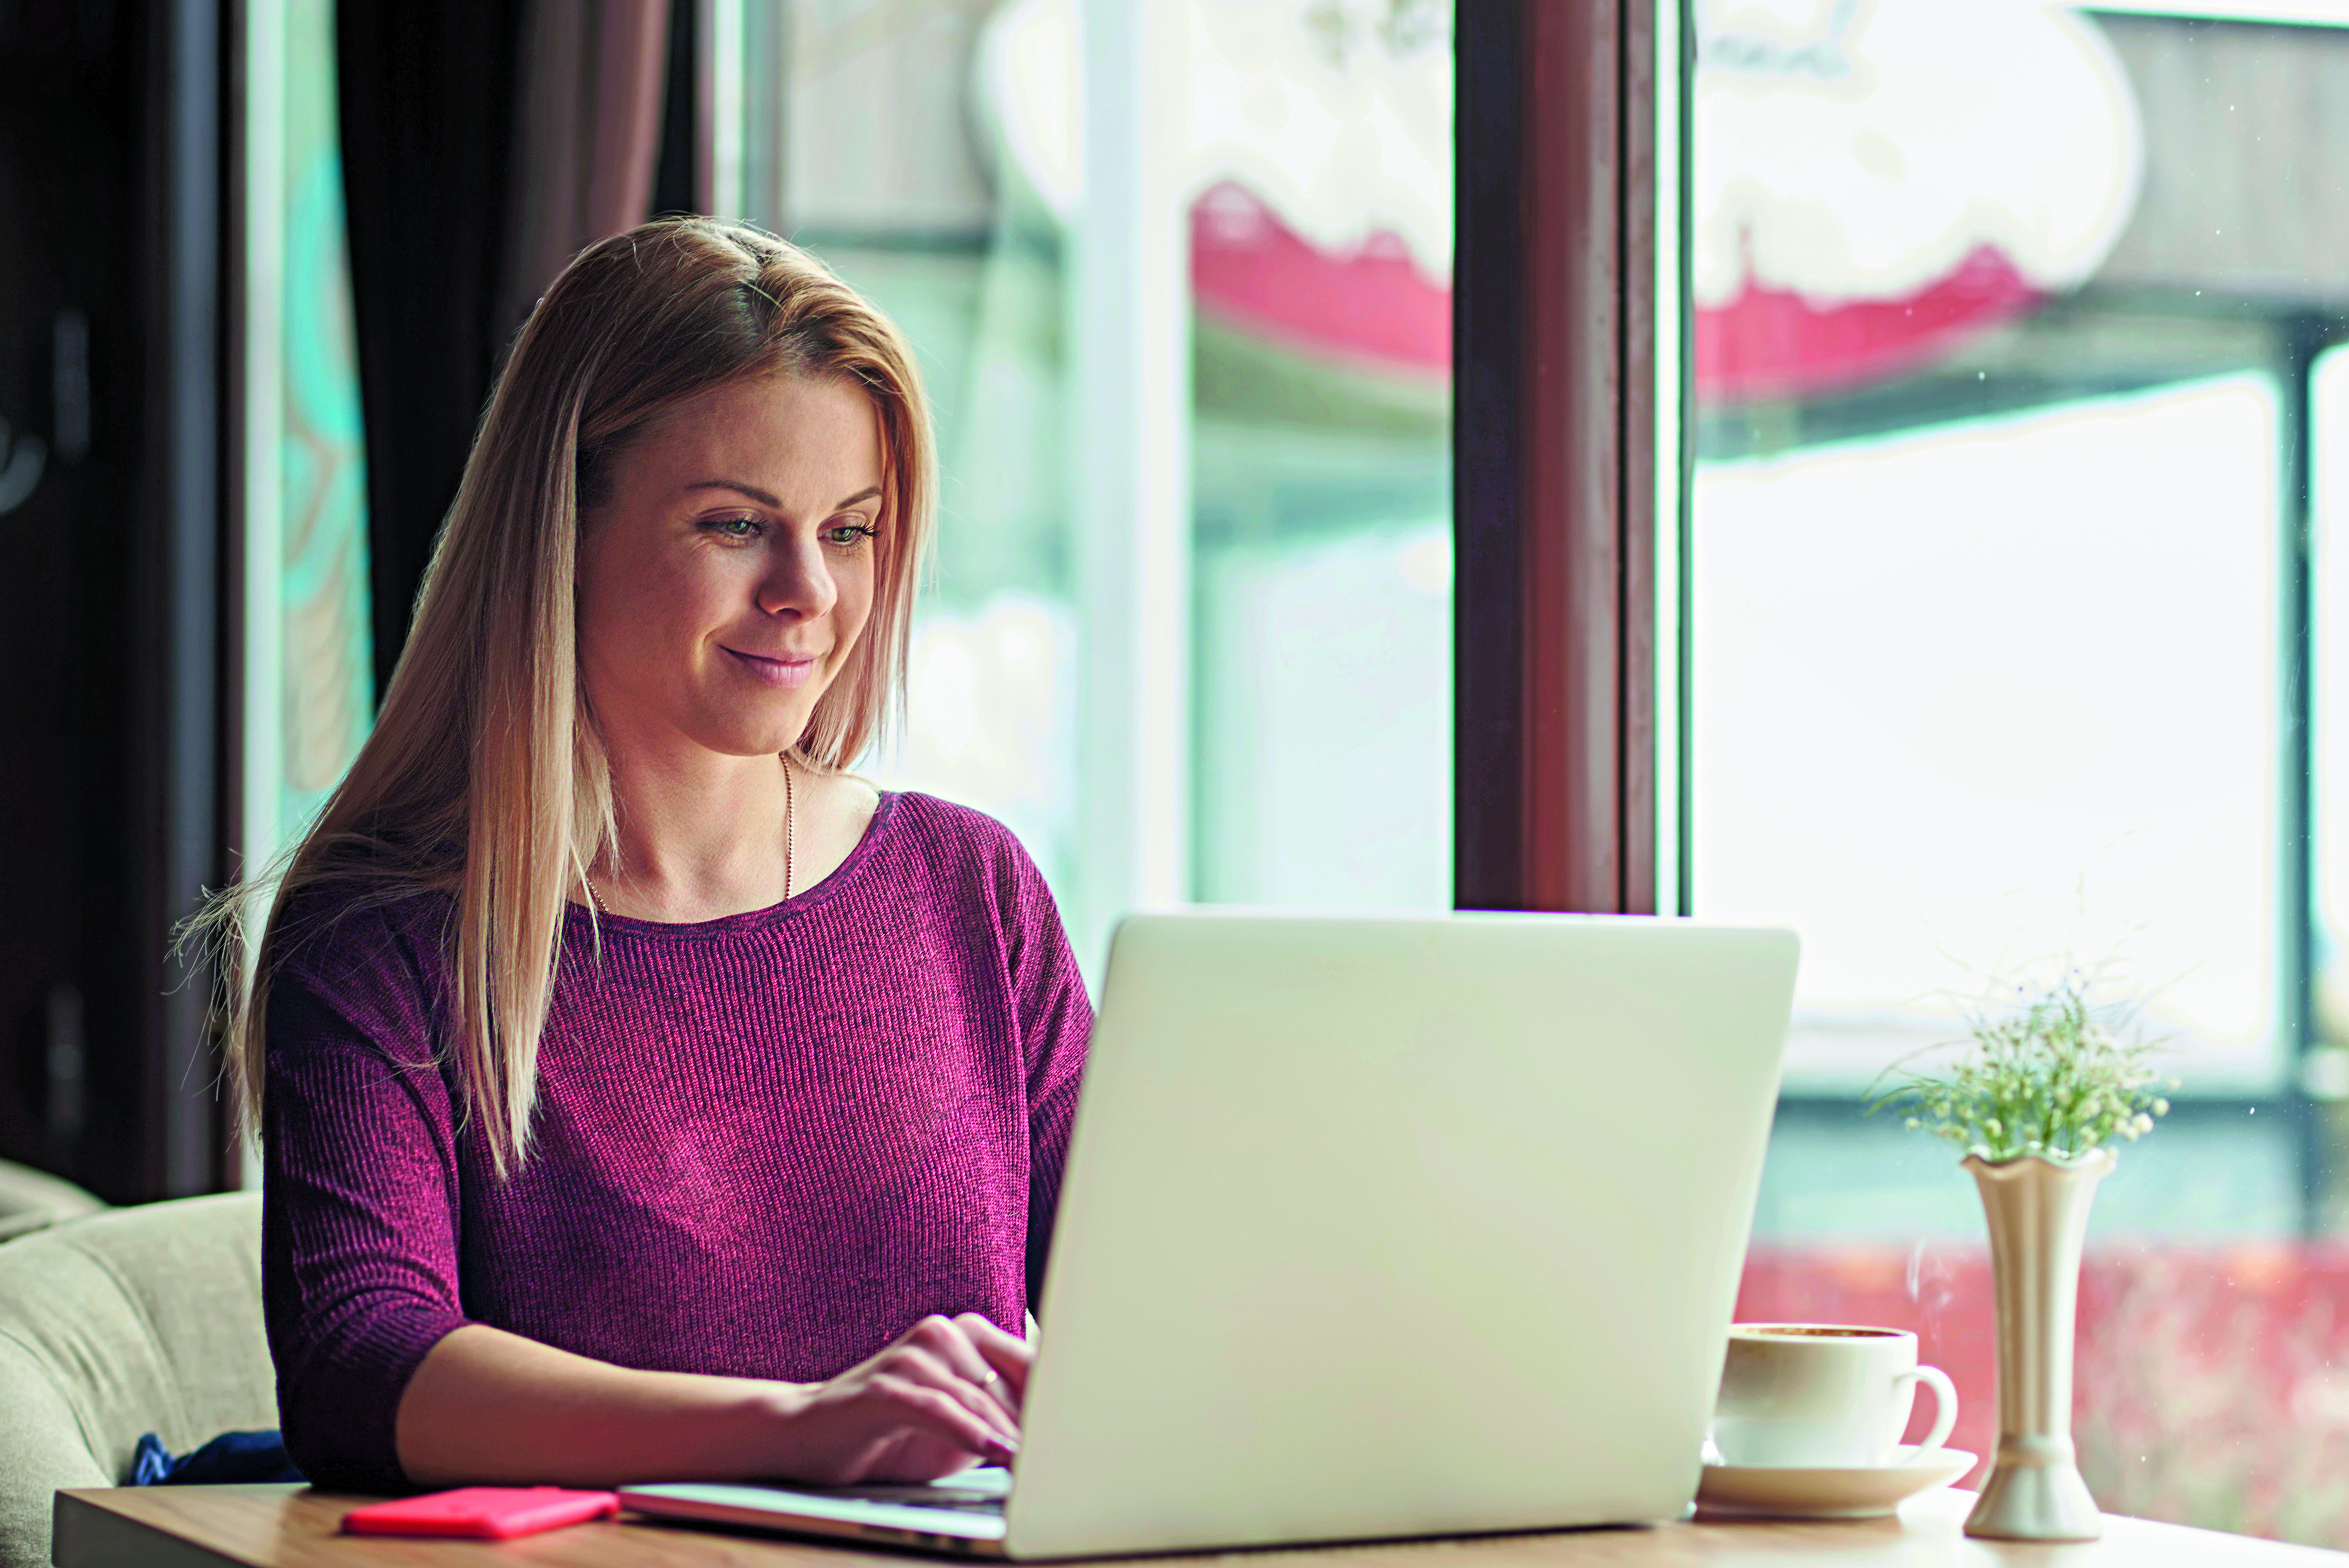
[{"x": 229, "y": 1458}]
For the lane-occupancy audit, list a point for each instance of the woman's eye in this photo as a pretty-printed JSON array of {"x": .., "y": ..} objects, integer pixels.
[
  {"x": 735, "y": 527},
  {"x": 850, "y": 533}
]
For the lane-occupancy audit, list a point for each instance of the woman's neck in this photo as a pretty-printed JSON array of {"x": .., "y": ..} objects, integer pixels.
[{"x": 700, "y": 835}]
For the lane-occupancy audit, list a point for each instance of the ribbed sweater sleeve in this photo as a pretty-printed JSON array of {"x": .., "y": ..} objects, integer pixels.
[
  {"x": 1055, "y": 1018},
  {"x": 359, "y": 1217}
]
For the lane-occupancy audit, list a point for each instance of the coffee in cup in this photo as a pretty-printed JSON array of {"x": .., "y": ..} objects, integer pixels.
[{"x": 1812, "y": 1395}]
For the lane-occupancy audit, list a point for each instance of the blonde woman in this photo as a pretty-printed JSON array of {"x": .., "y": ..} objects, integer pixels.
[{"x": 644, "y": 1096}]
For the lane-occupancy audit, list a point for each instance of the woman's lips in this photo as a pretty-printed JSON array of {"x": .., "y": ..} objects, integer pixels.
[{"x": 786, "y": 671}]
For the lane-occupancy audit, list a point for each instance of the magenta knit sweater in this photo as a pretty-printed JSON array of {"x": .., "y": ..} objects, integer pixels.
[{"x": 766, "y": 1145}]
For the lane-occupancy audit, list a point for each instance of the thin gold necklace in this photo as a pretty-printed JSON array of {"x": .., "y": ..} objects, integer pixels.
[{"x": 790, "y": 840}]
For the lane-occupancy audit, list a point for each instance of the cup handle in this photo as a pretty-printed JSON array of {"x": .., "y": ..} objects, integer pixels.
[{"x": 1945, "y": 1406}]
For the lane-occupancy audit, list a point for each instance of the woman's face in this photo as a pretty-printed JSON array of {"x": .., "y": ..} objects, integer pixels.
[{"x": 729, "y": 571}]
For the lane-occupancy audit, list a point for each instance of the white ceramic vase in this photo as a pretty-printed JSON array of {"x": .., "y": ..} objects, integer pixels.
[{"x": 2038, "y": 1213}]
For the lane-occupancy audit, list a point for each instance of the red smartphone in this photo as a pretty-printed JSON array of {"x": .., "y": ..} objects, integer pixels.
[{"x": 483, "y": 1513}]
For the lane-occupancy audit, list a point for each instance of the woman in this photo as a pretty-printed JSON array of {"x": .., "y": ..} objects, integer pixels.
[{"x": 643, "y": 1095}]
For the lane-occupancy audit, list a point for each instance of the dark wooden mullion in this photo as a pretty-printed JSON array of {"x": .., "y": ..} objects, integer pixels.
[
  {"x": 1554, "y": 476},
  {"x": 1569, "y": 460}
]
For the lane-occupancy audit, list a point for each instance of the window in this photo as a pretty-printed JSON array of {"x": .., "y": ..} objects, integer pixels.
[
  {"x": 306, "y": 655},
  {"x": 2007, "y": 628},
  {"x": 1179, "y": 280}
]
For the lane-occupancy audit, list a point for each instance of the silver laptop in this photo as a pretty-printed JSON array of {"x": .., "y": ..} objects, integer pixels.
[{"x": 1376, "y": 1226}]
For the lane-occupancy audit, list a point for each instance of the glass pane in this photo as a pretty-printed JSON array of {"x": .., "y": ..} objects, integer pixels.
[
  {"x": 1989, "y": 688},
  {"x": 2009, "y": 335},
  {"x": 307, "y": 654},
  {"x": 1179, "y": 276}
]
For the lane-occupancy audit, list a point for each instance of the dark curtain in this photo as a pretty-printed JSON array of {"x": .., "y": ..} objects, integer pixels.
[
  {"x": 484, "y": 143},
  {"x": 428, "y": 123},
  {"x": 586, "y": 136},
  {"x": 110, "y": 414},
  {"x": 677, "y": 186}
]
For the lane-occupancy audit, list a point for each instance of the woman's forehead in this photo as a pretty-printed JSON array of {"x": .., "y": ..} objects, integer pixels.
[{"x": 776, "y": 433}]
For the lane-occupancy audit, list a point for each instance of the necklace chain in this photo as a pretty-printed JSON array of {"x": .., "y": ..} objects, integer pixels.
[{"x": 790, "y": 841}]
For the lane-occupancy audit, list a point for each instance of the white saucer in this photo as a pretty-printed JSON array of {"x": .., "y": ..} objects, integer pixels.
[{"x": 1861, "y": 1493}]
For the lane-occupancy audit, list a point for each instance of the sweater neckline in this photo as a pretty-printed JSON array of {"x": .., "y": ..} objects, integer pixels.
[{"x": 842, "y": 876}]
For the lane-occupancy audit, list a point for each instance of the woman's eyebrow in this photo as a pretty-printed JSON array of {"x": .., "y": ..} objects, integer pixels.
[
  {"x": 870, "y": 493},
  {"x": 752, "y": 491}
]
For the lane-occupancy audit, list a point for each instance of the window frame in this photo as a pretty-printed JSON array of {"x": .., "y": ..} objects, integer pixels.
[{"x": 1556, "y": 389}]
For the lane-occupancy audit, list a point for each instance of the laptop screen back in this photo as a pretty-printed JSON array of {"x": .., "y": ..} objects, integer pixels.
[{"x": 1398, "y": 1225}]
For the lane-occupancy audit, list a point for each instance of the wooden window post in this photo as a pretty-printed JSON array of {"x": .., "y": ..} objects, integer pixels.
[{"x": 1554, "y": 452}]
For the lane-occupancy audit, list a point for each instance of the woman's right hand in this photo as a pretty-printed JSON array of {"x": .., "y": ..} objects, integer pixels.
[{"x": 945, "y": 1395}]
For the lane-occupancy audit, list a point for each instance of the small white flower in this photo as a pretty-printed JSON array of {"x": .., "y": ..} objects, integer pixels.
[
  {"x": 2144, "y": 1124},
  {"x": 2162, "y": 1107}
]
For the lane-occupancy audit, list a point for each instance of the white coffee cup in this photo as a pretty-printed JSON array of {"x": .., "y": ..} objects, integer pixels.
[{"x": 1811, "y": 1396}]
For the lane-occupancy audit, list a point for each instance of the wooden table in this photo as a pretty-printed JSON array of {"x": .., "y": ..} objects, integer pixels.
[{"x": 294, "y": 1527}]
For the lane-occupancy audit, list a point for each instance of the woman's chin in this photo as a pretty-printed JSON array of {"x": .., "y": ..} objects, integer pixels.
[{"x": 765, "y": 736}]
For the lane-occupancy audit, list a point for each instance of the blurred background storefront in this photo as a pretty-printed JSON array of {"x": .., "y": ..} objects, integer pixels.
[{"x": 2014, "y": 596}]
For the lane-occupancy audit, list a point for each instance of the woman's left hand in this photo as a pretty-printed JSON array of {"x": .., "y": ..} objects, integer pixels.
[{"x": 946, "y": 1394}]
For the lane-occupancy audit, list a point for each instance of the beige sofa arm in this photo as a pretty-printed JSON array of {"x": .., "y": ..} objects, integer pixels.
[
  {"x": 31, "y": 1198},
  {"x": 129, "y": 1321}
]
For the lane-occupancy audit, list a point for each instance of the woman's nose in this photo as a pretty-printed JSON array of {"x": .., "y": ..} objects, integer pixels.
[{"x": 799, "y": 580}]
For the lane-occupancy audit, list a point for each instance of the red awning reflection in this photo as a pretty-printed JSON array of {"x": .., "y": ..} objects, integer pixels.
[
  {"x": 1373, "y": 306},
  {"x": 1774, "y": 343},
  {"x": 1370, "y": 307}
]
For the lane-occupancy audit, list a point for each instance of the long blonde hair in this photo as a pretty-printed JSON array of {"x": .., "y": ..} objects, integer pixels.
[{"x": 484, "y": 777}]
